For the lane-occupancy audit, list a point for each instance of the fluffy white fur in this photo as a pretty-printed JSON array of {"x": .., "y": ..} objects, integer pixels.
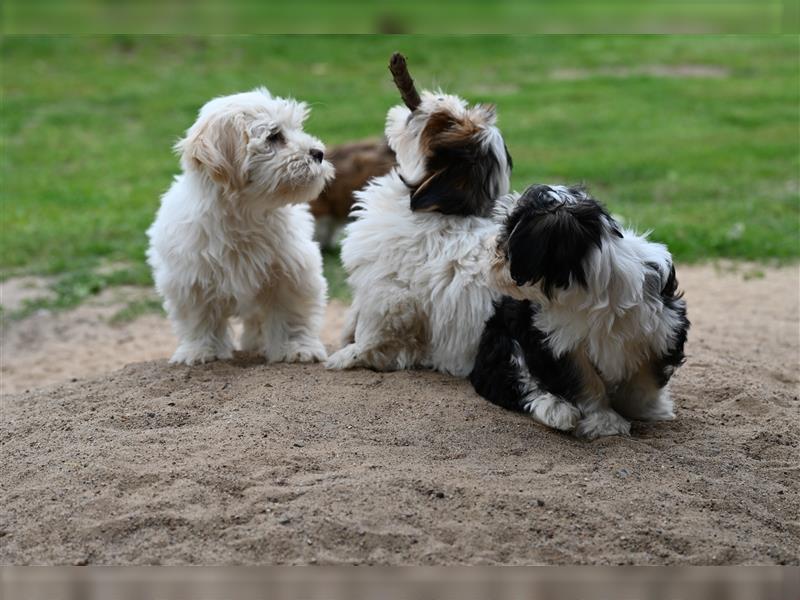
[
  {"x": 420, "y": 296},
  {"x": 232, "y": 237}
]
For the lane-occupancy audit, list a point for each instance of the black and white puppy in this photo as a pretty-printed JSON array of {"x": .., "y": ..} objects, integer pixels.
[{"x": 591, "y": 327}]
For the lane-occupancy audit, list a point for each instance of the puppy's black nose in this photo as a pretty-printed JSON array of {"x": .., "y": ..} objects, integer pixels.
[{"x": 317, "y": 155}]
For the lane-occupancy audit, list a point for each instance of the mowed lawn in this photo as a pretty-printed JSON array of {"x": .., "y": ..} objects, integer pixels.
[{"x": 695, "y": 138}]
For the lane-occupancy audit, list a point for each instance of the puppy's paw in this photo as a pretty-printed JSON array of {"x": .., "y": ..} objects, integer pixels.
[
  {"x": 602, "y": 423},
  {"x": 553, "y": 412},
  {"x": 662, "y": 409},
  {"x": 659, "y": 408},
  {"x": 659, "y": 415},
  {"x": 563, "y": 416},
  {"x": 193, "y": 354},
  {"x": 346, "y": 358},
  {"x": 305, "y": 351}
]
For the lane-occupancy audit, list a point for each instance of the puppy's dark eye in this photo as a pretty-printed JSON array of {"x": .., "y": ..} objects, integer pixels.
[{"x": 276, "y": 137}]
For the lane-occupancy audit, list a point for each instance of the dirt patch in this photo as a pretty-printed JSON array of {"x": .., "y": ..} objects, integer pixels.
[
  {"x": 53, "y": 347},
  {"x": 242, "y": 462},
  {"x": 15, "y": 292}
]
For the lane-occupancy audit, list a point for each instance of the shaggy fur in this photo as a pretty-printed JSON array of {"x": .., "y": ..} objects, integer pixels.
[
  {"x": 592, "y": 327},
  {"x": 232, "y": 237},
  {"x": 414, "y": 252}
]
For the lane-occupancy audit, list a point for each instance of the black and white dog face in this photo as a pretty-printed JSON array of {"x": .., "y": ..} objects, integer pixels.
[
  {"x": 451, "y": 155},
  {"x": 547, "y": 237}
]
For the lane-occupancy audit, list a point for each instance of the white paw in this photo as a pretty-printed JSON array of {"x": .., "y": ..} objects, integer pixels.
[
  {"x": 305, "y": 352},
  {"x": 661, "y": 415},
  {"x": 342, "y": 359},
  {"x": 563, "y": 416},
  {"x": 660, "y": 409},
  {"x": 554, "y": 412},
  {"x": 199, "y": 354},
  {"x": 602, "y": 423}
]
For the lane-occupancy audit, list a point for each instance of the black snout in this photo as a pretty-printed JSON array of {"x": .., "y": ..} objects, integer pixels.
[{"x": 317, "y": 155}]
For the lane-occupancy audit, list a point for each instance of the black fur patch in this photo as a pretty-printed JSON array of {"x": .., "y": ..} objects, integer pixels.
[
  {"x": 549, "y": 238},
  {"x": 496, "y": 379},
  {"x": 461, "y": 170},
  {"x": 460, "y": 182},
  {"x": 673, "y": 301},
  {"x": 509, "y": 160}
]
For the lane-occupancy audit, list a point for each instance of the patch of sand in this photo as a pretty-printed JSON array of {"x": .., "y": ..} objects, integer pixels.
[
  {"x": 14, "y": 292},
  {"x": 240, "y": 462},
  {"x": 53, "y": 347}
]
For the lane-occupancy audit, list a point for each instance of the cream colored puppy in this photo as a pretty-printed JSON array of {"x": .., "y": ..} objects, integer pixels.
[{"x": 233, "y": 236}]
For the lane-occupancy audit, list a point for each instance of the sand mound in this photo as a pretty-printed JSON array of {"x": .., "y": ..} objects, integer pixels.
[{"x": 240, "y": 462}]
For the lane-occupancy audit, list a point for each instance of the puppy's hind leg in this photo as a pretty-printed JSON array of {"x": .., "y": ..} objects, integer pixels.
[
  {"x": 642, "y": 398},
  {"x": 384, "y": 336},
  {"x": 598, "y": 418}
]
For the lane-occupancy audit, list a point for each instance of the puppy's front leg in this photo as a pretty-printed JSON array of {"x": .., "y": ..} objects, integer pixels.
[
  {"x": 287, "y": 324},
  {"x": 201, "y": 326},
  {"x": 509, "y": 383},
  {"x": 598, "y": 419}
]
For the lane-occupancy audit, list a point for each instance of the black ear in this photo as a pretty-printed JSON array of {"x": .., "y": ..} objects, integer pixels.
[
  {"x": 463, "y": 175},
  {"x": 528, "y": 249},
  {"x": 549, "y": 239},
  {"x": 460, "y": 181}
]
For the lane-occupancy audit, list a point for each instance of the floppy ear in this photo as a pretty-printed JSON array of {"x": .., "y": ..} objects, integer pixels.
[
  {"x": 527, "y": 251},
  {"x": 218, "y": 145},
  {"x": 551, "y": 243},
  {"x": 461, "y": 173}
]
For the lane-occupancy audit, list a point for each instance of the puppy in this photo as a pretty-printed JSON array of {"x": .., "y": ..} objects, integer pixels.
[
  {"x": 592, "y": 326},
  {"x": 414, "y": 251},
  {"x": 233, "y": 236},
  {"x": 355, "y": 164}
]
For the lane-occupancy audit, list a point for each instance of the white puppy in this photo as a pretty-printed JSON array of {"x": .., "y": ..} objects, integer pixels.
[
  {"x": 233, "y": 237},
  {"x": 414, "y": 252}
]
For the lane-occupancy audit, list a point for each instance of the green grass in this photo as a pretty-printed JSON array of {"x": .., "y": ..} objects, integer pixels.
[
  {"x": 398, "y": 16},
  {"x": 135, "y": 309},
  {"x": 709, "y": 164}
]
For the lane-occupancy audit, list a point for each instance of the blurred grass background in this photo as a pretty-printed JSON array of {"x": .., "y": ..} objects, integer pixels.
[
  {"x": 399, "y": 16},
  {"x": 693, "y": 137}
]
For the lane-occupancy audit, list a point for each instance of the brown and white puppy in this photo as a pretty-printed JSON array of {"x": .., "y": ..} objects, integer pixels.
[
  {"x": 355, "y": 164},
  {"x": 414, "y": 252}
]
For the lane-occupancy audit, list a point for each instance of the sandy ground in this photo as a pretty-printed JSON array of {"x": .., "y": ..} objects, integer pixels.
[{"x": 241, "y": 462}]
